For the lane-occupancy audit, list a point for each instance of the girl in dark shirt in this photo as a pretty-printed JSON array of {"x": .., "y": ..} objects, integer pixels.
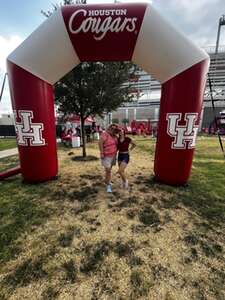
[{"x": 124, "y": 147}]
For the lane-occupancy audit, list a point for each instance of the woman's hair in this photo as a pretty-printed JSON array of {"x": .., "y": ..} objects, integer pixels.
[
  {"x": 123, "y": 130},
  {"x": 114, "y": 127}
]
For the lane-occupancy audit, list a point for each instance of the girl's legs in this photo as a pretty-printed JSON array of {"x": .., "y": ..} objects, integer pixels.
[
  {"x": 107, "y": 175},
  {"x": 108, "y": 180},
  {"x": 121, "y": 171}
]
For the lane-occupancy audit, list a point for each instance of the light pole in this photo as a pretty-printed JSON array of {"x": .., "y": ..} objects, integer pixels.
[{"x": 221, "y": 23}]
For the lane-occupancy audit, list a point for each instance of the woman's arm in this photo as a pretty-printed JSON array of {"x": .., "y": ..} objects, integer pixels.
[
  {"x": 133, "y": 145},
  {"x": 100, "y": 144}
]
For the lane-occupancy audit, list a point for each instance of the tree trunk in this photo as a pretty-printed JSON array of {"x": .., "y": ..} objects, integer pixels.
[{"x": 83, "y": 137}]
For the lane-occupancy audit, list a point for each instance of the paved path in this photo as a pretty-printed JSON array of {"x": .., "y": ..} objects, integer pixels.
[{"x": 8, "y": 152}]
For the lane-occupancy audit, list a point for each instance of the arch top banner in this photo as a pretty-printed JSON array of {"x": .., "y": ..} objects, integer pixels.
[{"x": 106, "y": 32}]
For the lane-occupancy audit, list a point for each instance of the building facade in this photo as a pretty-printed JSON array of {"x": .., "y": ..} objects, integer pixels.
[{"x": 147, "y": 104}]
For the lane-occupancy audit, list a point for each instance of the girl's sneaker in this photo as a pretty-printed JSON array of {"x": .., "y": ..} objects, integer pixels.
[
  {"x": 125, "y": 184},
  {"x": 109, "y": 188}
]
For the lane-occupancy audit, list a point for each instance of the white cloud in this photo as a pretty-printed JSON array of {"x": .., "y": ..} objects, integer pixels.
[
  {"x": 191, "y": 9},
  {"x": 7, "y": 45}
]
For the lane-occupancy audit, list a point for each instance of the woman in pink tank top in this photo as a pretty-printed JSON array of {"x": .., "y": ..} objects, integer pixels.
[{"x": 108, "y": 150}]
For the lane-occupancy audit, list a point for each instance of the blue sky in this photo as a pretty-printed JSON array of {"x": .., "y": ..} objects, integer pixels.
[
  {"x": 21, "y": 17},
  {"x": 198, "y": 19}
]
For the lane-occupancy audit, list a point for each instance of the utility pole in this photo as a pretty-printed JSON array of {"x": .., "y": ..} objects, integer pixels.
[{"x": 221, "y": 23}]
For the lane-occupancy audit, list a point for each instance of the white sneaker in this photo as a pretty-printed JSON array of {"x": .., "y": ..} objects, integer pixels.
[
  {"x": 109, "y": 188},
  {"x": 126, "y": 185}
]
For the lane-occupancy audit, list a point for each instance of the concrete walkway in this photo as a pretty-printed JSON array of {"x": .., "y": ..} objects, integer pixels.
[
  {"x": 14, "y": 151},
  {"x": 8, "y": 152}
]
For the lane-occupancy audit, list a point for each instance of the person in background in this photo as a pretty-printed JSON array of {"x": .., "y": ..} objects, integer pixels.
[
  {"x": 66, "y": 137},
  {"x": 108, "y": 150},
  {"x": 78, "y": 131},
  {"x": 70, "y": 131},
  {"x": 93, "y": 130},
  {"x": 125, "y": 144},
  {"x": 88, "y": 133}
]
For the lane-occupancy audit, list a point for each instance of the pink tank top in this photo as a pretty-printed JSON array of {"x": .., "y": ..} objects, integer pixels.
[{"x": 109, "y": 144}]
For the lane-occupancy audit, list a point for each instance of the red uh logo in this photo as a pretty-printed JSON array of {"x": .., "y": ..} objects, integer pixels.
[
  {"x": 184, "y": 135},
  {"x": 28, "y": 131}
]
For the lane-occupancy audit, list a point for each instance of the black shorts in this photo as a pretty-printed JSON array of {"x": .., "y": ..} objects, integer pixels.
[{"x": 123, "y": 157}]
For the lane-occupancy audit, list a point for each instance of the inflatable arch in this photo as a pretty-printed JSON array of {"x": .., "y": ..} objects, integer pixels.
[{"x": 112, "y": 32}]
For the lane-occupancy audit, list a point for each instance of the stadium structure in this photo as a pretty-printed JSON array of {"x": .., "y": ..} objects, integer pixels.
[
  {"x": 145, "y": 107},
  {"x": 148, "y": 90}
]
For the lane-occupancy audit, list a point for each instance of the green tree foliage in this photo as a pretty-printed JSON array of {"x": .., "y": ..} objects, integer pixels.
[
  {"x": 125, "y": 121},
  {"x": 115, "y": 121},
  {"x": 92, "y": 88}
]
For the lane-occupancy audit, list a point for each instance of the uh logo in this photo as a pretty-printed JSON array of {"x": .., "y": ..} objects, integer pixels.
[
  {"x": 28, "y": 131},
  {"x": 184, "y": 135}
]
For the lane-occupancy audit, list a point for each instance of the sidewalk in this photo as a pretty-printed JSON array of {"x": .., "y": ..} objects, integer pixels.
[
  {"x": 14, "y": 151},
  {"x": 8, "y": 152}
]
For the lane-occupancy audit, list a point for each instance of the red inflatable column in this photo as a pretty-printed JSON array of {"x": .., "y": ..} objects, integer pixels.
[
  {"x": 180, "y": 110},
  {"x": 33, "y": 105}
]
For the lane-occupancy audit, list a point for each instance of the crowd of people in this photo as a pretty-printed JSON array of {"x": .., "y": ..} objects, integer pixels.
[{"x": 69, "y": 131}]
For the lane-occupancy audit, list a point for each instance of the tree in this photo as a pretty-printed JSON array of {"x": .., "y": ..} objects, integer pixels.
[
  {"x": 125, "y": 121},
  {"x": 115, "y": 121},
  {"x": 93, "y": 88}
]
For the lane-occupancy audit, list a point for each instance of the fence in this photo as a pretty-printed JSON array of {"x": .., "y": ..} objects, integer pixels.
[{"x": 9, "y": 131}]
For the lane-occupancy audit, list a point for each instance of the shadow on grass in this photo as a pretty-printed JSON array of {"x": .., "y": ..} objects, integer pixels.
[
  {"x": 20, "y": 212},
  {"x": 204, "y": 193},
  {"x": 27, "y": 272},
  {"x": 8, "y": 162},
  {"x": 88, "y": 158},
  {"x": 85, "y": 194},
  {"x": 70, "y": 270},
  {"x": 95, "y": 255}
]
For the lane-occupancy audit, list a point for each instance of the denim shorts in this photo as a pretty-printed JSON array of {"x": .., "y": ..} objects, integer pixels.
[
  {"x": 108, "y": 161},
  {"x": 123, "y": 157}
]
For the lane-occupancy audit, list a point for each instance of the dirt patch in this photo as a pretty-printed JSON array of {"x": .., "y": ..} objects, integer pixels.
[
  {"x": 149, "y": 217},
  {"x": 65, "y": 239},
  {"x": 84, "y": 194},
  {"x": 124, "y": 249},
  {"x": 70, "y": 271},
  {"x": 140, "y": 284},
  {"x": 91, "y": 177},
  {"x": 94, "y": 256}
]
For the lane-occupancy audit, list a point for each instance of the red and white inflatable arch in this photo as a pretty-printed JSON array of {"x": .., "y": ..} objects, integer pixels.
[{"x": 113, "y": 32}]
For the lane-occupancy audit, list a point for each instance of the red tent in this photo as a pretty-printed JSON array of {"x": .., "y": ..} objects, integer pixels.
[{"x": 76, "y": 119}]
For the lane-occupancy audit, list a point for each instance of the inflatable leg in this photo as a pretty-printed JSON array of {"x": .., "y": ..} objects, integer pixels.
[
  {"x": 180, "y": 110},
  {"x": 33, "y": 105}
]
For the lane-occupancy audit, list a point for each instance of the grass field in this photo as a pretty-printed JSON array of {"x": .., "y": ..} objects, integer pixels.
[
  {"x": 7, "y": 143},
  {"x": 68, "y": 239}
]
